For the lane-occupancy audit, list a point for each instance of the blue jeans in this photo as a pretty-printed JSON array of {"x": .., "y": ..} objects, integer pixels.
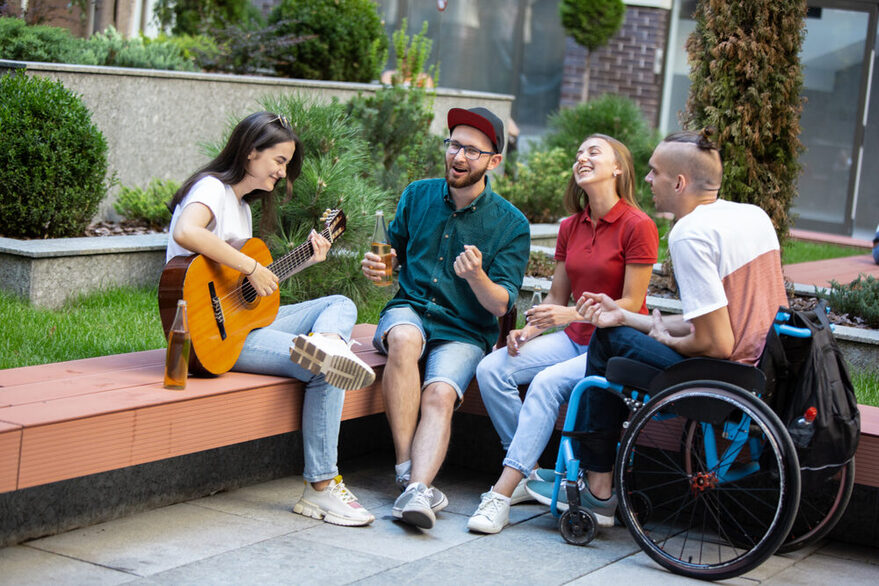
[
  {"x": 603, "y": 411},
  {"x": 267, "y": 351},
  {"x": 447, "y": 361},
  {"x": 553, "y": 364}
]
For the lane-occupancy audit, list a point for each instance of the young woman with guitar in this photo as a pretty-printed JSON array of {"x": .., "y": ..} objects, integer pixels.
[{"x": 231, "y": 287}]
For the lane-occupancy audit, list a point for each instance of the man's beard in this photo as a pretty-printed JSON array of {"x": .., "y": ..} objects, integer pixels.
[{"x": 466, "y": 180}]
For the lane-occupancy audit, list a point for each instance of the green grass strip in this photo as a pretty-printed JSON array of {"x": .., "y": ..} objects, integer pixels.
[{"x": 110, "y": 322}]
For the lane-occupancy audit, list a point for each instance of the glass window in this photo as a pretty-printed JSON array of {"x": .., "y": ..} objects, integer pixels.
[{"x": 490, "y": 46}]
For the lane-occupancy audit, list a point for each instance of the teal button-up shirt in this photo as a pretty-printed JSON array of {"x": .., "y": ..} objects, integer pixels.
[{"x": 428, "y": 233}]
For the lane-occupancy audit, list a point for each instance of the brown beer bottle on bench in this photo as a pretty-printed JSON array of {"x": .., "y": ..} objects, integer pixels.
[
  {"x": 177, "y": 356},
  {"x": 381, "y": 245}
]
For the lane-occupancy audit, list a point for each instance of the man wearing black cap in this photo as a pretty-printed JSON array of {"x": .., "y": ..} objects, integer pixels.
[{"x": 462, "y": 251}]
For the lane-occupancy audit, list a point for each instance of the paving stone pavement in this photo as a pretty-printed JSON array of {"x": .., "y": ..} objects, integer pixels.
[{"x": 249, "y": 536}]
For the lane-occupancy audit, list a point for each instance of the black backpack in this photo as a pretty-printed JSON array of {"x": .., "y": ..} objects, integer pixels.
[{"x": 811, "y": 372}]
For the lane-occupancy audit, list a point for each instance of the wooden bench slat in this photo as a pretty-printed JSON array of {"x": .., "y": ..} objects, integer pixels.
[{"x": 64, "y": 370}]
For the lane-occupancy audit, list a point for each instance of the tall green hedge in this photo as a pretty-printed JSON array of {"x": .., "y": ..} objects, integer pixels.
[
  {"x": 53, "y": 159},
  {"x": 746, "y": 82},
  {"x": 343, "y": 40}
]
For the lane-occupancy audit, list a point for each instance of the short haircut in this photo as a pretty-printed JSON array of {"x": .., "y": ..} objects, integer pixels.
[{"x": 704, "y": 166}]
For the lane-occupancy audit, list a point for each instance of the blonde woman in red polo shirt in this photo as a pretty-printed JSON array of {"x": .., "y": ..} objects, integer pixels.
[{"x": 608, "y": 245}]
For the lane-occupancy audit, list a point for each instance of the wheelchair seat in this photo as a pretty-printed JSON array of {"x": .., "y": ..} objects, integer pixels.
[{"x": 637, "y": 375}]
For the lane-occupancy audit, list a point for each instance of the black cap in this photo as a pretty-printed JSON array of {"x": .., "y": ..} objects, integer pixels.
[{"x": 481, "y": 119}]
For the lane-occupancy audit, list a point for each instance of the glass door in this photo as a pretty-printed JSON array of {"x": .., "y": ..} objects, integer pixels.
[{"x": 836, "y": 61}]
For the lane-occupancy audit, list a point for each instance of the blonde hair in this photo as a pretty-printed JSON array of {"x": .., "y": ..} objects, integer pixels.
[{"x": 576, "y": 199}]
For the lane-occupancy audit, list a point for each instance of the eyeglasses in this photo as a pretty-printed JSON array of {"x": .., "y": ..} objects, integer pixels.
[
  {"x": 472, "y": 153},
  {"x": 282, "y": 120}
]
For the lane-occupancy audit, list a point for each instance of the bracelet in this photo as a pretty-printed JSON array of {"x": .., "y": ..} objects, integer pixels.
[{"x": 255, "y": 265}]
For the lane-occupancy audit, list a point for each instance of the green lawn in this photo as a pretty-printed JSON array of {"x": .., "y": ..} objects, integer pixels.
[{"x": 111, "y": 322}]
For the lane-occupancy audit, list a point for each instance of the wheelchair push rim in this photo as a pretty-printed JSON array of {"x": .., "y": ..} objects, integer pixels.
[{"x": 722, "y": 503}]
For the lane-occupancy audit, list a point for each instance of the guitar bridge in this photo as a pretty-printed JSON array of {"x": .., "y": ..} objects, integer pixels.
[{"x": 218, "y": 310}]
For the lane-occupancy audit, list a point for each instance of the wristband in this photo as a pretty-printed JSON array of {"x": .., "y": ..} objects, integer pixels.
[{"x": 255, "y": 264}]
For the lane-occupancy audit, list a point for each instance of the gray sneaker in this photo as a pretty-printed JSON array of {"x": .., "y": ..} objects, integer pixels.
[
  {"x": 438, "y": 500},
  {"x": 413, "y": 506}
]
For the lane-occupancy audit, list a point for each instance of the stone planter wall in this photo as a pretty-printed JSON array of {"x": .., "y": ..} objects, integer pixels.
[
  {"x": 48, "y": 272},
  {"x": 155, "y": 121}
]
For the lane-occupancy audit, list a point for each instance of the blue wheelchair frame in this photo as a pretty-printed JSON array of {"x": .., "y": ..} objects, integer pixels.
[{"x": 568, "y": 466}]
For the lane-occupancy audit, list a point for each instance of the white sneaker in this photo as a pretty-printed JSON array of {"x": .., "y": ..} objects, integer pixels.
[
  {"x": 492, "y": 515},
  {"x": 520, "y": 495},
  {"x": 335, "y": 504},
  {"x": 332, "y": 358},
  {"x": 413, "y": 506}
]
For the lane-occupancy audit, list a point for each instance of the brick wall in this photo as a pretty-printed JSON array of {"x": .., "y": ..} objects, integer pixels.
[{"x": 629, "y": 65}]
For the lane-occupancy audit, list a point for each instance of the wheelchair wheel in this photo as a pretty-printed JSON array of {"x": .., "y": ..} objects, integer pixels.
[
  {"x": 825, "y": 495},
  {"x": 577, "y": 527},
  {"x": 724, "y": 499}
]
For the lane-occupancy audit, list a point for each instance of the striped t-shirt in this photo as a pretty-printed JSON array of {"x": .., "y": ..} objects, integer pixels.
[{"x": 727, "y": 254}]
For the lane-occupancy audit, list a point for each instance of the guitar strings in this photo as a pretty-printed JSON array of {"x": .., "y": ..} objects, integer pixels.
[{"x": 286, "y": 263}]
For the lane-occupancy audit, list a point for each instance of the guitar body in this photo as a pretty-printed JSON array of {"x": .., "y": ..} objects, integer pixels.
[{"x": 204, "y": 284}]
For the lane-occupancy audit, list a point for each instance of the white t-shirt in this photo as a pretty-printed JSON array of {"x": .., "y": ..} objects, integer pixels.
[
  {"x": 231, "y": 217},
  {"x": 727, "y": 254}
]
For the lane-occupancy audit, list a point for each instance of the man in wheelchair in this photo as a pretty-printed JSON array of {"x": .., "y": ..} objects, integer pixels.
[{"x": 727, "y": 264}]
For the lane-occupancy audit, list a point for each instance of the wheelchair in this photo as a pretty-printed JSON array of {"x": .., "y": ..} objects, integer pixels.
[{"x": 707, "y": 477}]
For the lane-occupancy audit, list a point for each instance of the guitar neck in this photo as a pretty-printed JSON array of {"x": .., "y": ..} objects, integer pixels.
[{"x": 293, "y": 262}]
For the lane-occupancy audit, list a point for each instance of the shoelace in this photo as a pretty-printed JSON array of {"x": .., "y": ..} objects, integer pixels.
[
  {"x": 422, "y": 497},
  {"x": 489, "y": 506},
  {"x": 342, "y": 492}
]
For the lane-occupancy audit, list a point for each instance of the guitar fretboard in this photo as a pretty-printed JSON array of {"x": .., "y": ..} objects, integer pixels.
[{"x": 290, "y": 263}]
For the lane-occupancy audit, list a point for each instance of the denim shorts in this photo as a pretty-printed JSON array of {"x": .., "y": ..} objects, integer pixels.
[{"x": 447, "y": 361}]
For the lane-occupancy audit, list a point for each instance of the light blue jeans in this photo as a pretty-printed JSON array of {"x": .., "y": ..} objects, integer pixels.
[
  {"x": 267, "y": 351},
  {"x": 553, "y": 364}
]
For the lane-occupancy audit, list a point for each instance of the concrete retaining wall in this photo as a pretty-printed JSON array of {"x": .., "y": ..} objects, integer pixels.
[
  {"x": 48, "y": 272},
  {"x": 155, "y": 121}
]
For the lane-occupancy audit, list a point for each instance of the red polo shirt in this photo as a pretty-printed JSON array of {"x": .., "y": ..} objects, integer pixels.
[{"x": 596, "y": 255}]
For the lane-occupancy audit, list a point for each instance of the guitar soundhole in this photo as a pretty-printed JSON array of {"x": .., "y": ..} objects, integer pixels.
[{"x": 248, "y": 292}]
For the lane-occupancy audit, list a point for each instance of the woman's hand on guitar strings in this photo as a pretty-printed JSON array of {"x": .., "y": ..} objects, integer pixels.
[{"x": 264, "y": 281}]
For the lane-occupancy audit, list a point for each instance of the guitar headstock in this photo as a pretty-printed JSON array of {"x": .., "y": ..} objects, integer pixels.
[{"x": 335, "y": 222}]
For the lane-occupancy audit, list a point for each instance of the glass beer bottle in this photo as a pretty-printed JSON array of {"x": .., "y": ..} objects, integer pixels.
[
  {"x": 177, "y": 357},
  {"x": 382, "y": 247}
]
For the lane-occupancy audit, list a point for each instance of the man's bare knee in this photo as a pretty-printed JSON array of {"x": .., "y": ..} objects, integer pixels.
[
  {"x": 439, "y": 398},
  {"x": 404, "y": 340}
]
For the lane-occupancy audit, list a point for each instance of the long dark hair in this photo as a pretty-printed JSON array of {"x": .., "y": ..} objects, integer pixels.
[
  {"x": 258, "y": 131},
  {"x": 576, "y": 199}
]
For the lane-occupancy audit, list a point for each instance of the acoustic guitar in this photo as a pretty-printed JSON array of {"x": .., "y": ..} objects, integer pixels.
[{"x": 222, "y": 305}]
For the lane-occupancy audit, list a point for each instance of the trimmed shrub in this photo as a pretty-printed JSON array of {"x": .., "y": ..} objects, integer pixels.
[
  {"x": 537, "y": 186},
  {"x": 147, "y": 205},
  {"x": 19, "y": 41},
  {"x": 344, "y": 39},
  {"x": 195, "y": 17},
  {"x": 109, "y": 48},
  {"x": 746, "y": 82},
  {"x": 614, "y": 116},
  {"x": 396, "y": 123},
  {"x": 53, "y": 160},
  {"x": 591, "y": 23}
]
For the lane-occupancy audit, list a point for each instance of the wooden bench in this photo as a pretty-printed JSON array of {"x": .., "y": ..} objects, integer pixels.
[{"x": 71, "y": 419}]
